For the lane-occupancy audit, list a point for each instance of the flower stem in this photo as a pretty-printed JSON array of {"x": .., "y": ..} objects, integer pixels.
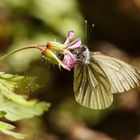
[{"x": 40, "y": 47}]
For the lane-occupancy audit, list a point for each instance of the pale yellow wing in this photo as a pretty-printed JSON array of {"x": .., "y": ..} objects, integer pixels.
[
  {"x": 122, "y": 76},
  {"x": 91, "y": 86}
]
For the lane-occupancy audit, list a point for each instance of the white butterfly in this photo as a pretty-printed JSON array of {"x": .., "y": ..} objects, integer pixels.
[{"x": 97, "y": 77}]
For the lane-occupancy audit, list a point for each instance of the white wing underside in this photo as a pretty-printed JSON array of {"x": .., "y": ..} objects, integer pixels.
[
  {"x": 122, "y": 76},
  {"x": 95, "y": 82},
  {"x": 91, "y": 87}
]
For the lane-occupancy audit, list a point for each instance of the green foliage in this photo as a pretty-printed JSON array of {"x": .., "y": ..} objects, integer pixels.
[
  {"x": 8, "y": 84},
  {"x": 14, "y": 111},
  {"x": 6, "y": 129},
  {"x": 13, "y": 105}
]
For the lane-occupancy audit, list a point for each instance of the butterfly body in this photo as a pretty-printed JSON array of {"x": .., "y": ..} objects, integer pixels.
[{"x": 97, "y": 77}]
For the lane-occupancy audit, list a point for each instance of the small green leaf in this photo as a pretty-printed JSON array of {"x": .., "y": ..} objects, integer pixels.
[
  {"x": 6, "y": 129},
  {"x": 2, "y": 114},
  {"x": 9, "y": 84},
  {"x": 22, "y": 84},
  {"x": 14, "y": 97},
  {"x": 14, "y": 112},
  {"x": 14, "y": 134},
  {"x": 7, "y": 126}
]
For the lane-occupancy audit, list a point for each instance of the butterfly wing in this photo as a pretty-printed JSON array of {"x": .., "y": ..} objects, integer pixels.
[
  {"x": 91, "y": 86},
  {"x": 121, "y": 75}
]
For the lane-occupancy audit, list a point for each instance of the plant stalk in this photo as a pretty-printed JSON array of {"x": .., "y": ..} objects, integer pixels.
[{"x": 40, "y": 47}]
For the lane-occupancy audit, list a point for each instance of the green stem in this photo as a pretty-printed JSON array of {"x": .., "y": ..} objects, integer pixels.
[{"x": 40, "y": 47}]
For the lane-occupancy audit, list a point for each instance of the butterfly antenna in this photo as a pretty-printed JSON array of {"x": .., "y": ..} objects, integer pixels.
[{"x": 88, "y": 32}]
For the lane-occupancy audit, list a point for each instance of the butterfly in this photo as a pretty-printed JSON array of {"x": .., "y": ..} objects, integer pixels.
[{"x": 97, "y": 77}]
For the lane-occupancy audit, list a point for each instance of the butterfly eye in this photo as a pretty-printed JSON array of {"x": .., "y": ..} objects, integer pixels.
[
  {"x": 80, "y": 51},
  {"x": 83, "y": 48}
]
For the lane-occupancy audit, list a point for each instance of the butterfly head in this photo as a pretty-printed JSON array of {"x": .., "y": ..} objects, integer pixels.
[{"x": 83, "y": 54}]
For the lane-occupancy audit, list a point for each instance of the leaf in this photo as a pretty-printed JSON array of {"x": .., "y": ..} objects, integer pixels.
[
  {"x": 14, "y": 134},
  {"x": 28, "y": 83},
  {"x": 14, "y": 111},
  {"x": 6, "y": 129},
  {"x": 13, "y": 105},
  {"x": 10, "y": 83},
  {"x": 14, "y": 97},
  {"x": 6, "y": 126}
]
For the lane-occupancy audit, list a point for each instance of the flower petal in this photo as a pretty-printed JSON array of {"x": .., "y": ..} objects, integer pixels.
[
  {"x": 69, "y": 36},
  {"x": 69, "y": 60},
  {"x": 75, "y": 44}
]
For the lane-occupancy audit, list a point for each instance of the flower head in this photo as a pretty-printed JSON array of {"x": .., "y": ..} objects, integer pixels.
[{"x": 54, "y": 50}]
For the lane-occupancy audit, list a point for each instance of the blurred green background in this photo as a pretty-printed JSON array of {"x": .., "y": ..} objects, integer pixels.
[{"x": 116, "y": 33}]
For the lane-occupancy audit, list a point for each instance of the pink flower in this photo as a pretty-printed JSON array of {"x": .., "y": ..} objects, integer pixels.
[
  {"x": 69, "y": 36},
  {"x": 69, "y": 60},
  {"x": 54, "y": 49}
]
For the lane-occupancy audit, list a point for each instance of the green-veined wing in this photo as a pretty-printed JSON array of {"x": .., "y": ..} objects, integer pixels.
[
  {"x": 122, "y": 76},
  {"x": 91, "y": 86}
]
